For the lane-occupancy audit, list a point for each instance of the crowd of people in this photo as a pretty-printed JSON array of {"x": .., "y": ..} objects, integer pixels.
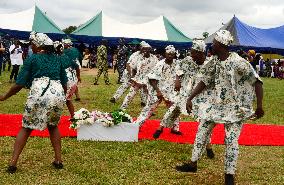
[{"x": 215, "y": 88}]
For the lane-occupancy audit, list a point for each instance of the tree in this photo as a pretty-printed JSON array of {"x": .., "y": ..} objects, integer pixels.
[
  {"x": 69, "y": 29},
  {"x": 205, "y": 34}
]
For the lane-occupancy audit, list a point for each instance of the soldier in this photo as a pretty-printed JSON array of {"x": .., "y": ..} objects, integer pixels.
[
  {"x": 121, "y": 59},
  {"x": 102, "y": 64},
  {"x": 233, "y": 82}
]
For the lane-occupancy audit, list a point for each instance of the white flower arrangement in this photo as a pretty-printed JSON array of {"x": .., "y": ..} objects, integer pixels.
[{"x": 83, "y": 116}]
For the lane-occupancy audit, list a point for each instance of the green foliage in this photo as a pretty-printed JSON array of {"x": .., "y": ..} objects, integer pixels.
[
  {"x": 205, "y": 34},
  {"x": 119, "y": 116},
  {"x": 69, "y": 29}
]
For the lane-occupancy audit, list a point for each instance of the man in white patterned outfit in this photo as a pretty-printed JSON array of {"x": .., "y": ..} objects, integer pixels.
[
  {"x": 126, "y": 78},
  {"x": 234, "y": 83},
  {"x": 162, "y": 80},
  {"x": 140, "y": 69},
  {"x": 186, "y": 79}
]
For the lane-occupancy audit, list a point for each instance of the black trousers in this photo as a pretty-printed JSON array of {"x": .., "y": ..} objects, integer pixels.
[{"x": 14, "y": 72}]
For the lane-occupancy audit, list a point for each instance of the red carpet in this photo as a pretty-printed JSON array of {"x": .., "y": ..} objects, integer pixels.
[{"x": 252, "y": 134}]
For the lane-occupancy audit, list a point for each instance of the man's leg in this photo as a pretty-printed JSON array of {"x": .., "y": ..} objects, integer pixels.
[
  {"x": 144, "y": 96},
  {"x": 98, "y": 76},
  {"x": 232, "y": 131},
  {"x": 16, "y": 71},
  {"x": 12, "y": 73},
  {"x": 129, "y": 97},
  {"x": 1, "y": 64},
  {"x": 9, "y": 64},
  {"x": 120, "y": 91},
  {"x": 205, "y": 128},
  {"x": 106, "y": 76},
  {"x": 170, "y": 120},
  {"x": 147, "y": 111}
]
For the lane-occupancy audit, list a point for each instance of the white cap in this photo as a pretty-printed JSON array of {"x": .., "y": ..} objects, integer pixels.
[
  {"x": 224, "y": 37},
  {"x": 67, "y": 41},
  {"x": 170, "y": 49},
  {"x": 198, "y": 45},
  {"x": 144, "y": 44}
]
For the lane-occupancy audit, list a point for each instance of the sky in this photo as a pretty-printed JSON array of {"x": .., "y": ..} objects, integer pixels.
[{"x": 192, "y": 17}]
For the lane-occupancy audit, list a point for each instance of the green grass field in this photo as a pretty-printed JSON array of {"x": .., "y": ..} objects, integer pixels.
[{"x": 145, "y": 162}]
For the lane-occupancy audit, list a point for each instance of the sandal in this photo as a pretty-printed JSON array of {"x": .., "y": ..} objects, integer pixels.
[
  {"x": 11, "y": 169},
  {"x": 157, "y": 134},
  {"x": 57, "y": 165}
]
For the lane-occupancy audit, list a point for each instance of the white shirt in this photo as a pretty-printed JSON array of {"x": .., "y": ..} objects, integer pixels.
[
  {"x": 144, "y": 67},
  {"x": 166, "y": 75},
  {"x": 16, "y": 57}
]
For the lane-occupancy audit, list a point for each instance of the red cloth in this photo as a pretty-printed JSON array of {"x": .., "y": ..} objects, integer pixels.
[{"x": 252, "y": 134}]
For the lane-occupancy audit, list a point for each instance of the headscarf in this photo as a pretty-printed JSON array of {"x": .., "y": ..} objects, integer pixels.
[{"x": 40, "y": 39}]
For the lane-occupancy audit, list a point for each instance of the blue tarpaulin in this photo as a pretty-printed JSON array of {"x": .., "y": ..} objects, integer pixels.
[
  {"x": 246, "y": 36},
  {"x": 114, "y": 41}
]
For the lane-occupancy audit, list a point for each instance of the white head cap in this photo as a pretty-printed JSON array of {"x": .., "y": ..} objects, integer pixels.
[
  {"x": 144, "y": 44},
  {"x": 170, "y": 49},
  {"x": 198, "y": 45},
  {"x": 224, "y": 37},
  {"x": 67, "y": 41}
]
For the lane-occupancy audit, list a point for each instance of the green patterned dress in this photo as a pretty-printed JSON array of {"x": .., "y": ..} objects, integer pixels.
[{"x": 45, "y": 76}]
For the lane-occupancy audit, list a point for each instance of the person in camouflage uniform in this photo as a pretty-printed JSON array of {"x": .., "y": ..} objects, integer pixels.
[
  {"x": 233, "y": 83},
  {"x": 102, "y": 64},
  {"x": 121, "y": 59}
]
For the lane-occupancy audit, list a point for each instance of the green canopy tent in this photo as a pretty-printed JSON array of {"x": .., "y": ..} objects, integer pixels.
[
  {"x": 20, "y": 24},
  {"x": 160, "y": 29}
]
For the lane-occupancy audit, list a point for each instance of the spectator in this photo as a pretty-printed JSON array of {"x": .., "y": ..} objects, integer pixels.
[
  {"x": 16, "y": 57},
  {"x": 6, "y": 55},
  {"x": 86, "y": 58},
  {"x": 102, "y": 63},
  {"x": 281, "y": 70},
  {"x": 262, "y": 67},
  {"x": 2, "y": 50}
]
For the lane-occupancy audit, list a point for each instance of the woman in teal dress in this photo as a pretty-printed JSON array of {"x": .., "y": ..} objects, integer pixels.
[{"x": 44, "y": 75}]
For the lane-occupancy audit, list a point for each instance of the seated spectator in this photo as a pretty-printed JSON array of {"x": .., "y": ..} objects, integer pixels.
[{"x": 86, "y": 58}]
